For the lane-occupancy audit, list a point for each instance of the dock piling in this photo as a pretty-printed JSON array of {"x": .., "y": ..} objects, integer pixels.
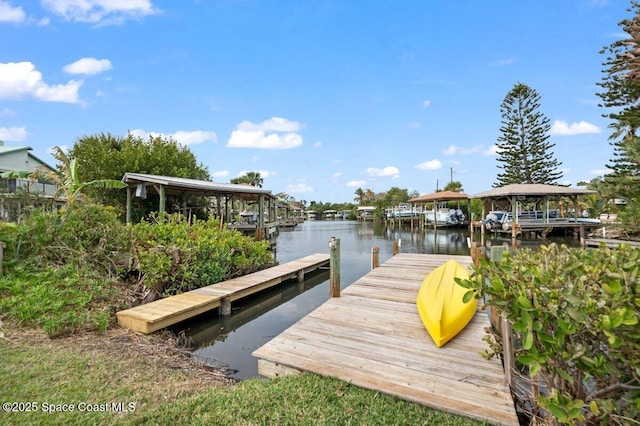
[
  {"x": 334, "y": 267},
  {"x": 375, "y": 257}
]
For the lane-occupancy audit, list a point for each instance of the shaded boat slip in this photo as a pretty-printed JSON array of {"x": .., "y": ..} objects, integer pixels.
[{"x": 372, "y": 336}]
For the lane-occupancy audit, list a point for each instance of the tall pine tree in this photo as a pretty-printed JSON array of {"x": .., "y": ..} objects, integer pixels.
[
  {"x": 524, "y": 151},
  {"x": 621, "y": 85}
]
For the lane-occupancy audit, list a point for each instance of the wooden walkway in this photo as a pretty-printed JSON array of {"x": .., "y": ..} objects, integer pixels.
[
  {"x": 610, "y": 242},
  {"x": 372, "y": 336},
  {"x": 162, "y": 313}
]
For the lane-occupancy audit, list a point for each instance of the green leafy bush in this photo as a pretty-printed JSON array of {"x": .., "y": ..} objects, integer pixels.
[
  {"x": 63, "y": 268},
  {"x": 575, "y": 315},
  {"x": 174, "y": 256},
  {"x": 80, "y": 234}
]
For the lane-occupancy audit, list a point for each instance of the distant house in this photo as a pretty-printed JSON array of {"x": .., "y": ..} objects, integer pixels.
[
  {"x": 15, "y": 163},
  {"x": 20, "y": 159}
]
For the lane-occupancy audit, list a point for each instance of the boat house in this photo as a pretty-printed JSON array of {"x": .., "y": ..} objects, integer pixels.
[
  {"x": 248, "y": 209},
  {"x": 519, "y": 208}
]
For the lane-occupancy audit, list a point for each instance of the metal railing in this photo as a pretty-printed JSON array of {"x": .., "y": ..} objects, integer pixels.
[{"x": 42, "y": 189}]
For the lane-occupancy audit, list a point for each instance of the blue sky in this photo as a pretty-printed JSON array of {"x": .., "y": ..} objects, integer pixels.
[{"x": 321, "y": 97}]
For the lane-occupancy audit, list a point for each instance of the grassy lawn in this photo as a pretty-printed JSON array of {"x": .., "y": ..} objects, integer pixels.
[{"x": 159, "y": 385}]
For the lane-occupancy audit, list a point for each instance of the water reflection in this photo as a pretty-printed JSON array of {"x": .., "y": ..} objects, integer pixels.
[{"x": 229, "y": 341}]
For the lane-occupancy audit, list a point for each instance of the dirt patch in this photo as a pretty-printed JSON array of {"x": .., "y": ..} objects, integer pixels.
[{"x": 161, "y": 350}]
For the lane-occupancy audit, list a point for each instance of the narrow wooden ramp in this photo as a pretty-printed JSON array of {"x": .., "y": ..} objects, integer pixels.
[
  {"x": 162, "y": 313},
  {"x": 372, "y": 336}
]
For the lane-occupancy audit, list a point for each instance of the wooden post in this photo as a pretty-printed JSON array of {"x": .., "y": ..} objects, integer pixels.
[
  {"x": 583, "y": 241},
  {"x": 334, "y": 267},
  {"x": 396, "y": 247},
  {"x": 163, "y": 200},
  {"x": 507, "y": 351},
  {"x": 375, "y": 257},
  {"x": 301, "y": 275},
  {"x": 225, "y": 306},
  {"x": 3, "y": 245},
  {"x": 514, "y": 220},
  {"x": 129, "y": 195}
]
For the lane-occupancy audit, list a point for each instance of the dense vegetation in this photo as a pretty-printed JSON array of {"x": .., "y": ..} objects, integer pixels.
[
  {"x": 64, "y": 269},
  {"x": 106, "y": 156},
  {"x": 575, "y": 314},
  {"x": 621, "y": 91}
]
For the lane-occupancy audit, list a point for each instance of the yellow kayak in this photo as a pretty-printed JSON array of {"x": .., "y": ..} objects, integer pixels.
[{"x": 440, "y": 304}]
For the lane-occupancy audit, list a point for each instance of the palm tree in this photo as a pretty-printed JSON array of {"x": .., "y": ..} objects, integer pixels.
[
  {"x": 69, "y": 185},
  {"x": 251, "y": 178},
  {"x": 359, "y": 196}
]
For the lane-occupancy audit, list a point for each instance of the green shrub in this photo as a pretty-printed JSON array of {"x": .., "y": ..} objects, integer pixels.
[
  {"x": 80, "y": 234},
  {"x": 575, "y": 315},
  {"x": 174, "y": 256},
  {"x": 62, "y": 269}
]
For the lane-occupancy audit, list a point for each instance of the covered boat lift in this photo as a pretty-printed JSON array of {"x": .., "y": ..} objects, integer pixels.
[
  {"x": 511, "y": 198},
  {"x": 225, "y": 194},
  {"x": 440, "y": 196}
]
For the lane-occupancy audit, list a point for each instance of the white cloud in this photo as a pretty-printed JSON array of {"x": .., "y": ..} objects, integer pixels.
[
  {"x": 387, "y": 171},
  {"x": 336, "y": 174},
  {"x": 88, "y": 66},
  {"x": 426, "y": 103},
  {"x": 13, "y": 134},
  {"x": 11, "y": 14},
  {"x": 492, "y": 150},
  {"x": 562, "y": 128},
  {"x": 454, "y": 149},
  {"x": 429, "y": 165},
  {"x": 356, "y": 183},
  {"x": 601, "y": 172},
  {"x": 100, "y": 11},
  {"x": 18, "y": 79},
  {"x": 7, "y": 112},
  {"x": 298, "y": 188},
  {"x": 182, "y": 136},
  {"x": 220, "y": 174},
  {"x": 317, "y": 144},
  {"x": 274, "y": 133}
]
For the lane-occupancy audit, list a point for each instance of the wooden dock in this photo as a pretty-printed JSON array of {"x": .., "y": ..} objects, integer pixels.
[
  {"x": 162, "y": 313},
  {"x": 610, "y": 242},
  {"x": 372, "y": 336}
]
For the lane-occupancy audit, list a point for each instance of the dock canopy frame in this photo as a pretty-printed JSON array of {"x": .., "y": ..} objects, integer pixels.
[
  {"x": 511, "y": 196},
  {"x": 443, "y": 196},
  {"x": 515, "y": 193},
  {"x": 139, "y": 184}
]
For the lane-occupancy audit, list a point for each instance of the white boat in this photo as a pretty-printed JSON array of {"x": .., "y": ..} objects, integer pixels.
[
  {"x": 444, "y": 216},
  {"x": 402, "y": 210}
]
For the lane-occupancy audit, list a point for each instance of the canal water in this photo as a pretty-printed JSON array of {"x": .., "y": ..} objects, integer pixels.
[{"x": 227, "y": 342}]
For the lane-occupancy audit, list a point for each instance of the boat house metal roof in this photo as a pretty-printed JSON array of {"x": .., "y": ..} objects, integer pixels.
[
  {"x": 532, "y": 190},
  {"x": 440, "y": 196},
  {"x": 176, "y": 186}
]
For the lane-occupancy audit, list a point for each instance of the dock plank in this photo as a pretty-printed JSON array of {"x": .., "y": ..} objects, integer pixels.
[
  {"x": 372, "y": 336},
  {"x": 162, "y": 313}
]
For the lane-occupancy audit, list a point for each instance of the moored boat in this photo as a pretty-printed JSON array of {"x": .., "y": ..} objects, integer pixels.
[{"x": 440, "y": 303}]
